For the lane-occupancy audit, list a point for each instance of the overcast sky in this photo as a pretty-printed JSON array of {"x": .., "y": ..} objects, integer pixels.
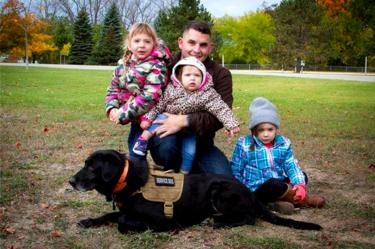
[{"x": 219, "y": 8}]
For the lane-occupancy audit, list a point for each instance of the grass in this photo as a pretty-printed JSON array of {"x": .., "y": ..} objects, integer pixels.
[{"x": 51, "y": 119}]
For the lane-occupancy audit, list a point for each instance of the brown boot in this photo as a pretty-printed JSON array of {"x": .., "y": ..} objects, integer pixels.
[
  {"x": 314, "y": 201},
  {"x": 288, "y": 194},
  {"x": 285, "y": 204}
]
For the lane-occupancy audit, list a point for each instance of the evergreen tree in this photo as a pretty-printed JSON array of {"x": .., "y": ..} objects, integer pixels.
[
  {"x": 299, "y": 34},
  {"x": 82, "y": 41},
  {"x": 62, "y": 31},
  {"x": 109, "y": 48},
  {"x": 170, "y": 23}
]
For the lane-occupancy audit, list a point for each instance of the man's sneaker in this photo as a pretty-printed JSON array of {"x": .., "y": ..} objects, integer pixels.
[{"x": 140, "y": 147}]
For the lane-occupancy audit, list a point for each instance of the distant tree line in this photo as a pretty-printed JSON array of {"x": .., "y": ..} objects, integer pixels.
[{"x": 318, "y": 32}]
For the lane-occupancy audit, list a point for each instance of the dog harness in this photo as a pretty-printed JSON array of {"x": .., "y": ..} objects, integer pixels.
[{"x": 163, "y": 186}]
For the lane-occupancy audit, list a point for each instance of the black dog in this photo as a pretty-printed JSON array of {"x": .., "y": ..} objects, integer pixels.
[{"x": 224, "y": 199}]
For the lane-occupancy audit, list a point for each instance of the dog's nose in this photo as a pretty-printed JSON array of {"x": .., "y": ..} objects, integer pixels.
[{"x": 72, "y": 181}]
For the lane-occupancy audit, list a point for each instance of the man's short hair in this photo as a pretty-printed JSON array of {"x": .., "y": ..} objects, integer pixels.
[{"x": 200, "y": 26}]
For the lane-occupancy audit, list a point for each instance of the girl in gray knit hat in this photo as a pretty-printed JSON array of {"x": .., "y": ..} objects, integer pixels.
[{"x": 265, "y": 163}]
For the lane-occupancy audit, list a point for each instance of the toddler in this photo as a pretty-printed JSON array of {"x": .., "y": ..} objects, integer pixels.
[
  {"x": 138, "y": 80},
  {"x": 191, "y": 90},
  {"x": 264, "y": 162}
]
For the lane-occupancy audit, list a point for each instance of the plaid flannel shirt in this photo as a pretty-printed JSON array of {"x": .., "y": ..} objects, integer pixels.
[{"x": 253, "y": 168}]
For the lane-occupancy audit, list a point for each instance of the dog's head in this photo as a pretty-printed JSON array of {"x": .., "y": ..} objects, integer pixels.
[
  {"x": 103, "y": 170},
  {"x": 100, "y": 168}
]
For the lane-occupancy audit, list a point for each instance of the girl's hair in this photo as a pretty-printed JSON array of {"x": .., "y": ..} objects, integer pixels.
[
  {"x": 138, "y": 28},
  {"x": 252, "y": 145}
]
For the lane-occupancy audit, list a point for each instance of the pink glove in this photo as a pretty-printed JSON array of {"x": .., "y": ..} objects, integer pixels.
[{"x": 300, "y": 192}]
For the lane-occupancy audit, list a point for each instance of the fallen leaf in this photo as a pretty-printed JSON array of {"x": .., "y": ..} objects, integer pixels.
[
  {"x": 57, "y": 233},
  {"x": 44, "y": 205},
  {"x": 371, "y": 166},
  {"x": 18, "y": 145},
  {"x": 10, "y": 230},
  {"x": 79, "y": 146}
]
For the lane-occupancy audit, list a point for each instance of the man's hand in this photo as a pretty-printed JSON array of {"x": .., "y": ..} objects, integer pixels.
[
  {"x": 113, "y": 115},
  {"x": 173, "y": 124}
]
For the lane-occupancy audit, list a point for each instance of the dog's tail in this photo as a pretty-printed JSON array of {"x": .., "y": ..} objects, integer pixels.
[{"x": 277, "y": 220}]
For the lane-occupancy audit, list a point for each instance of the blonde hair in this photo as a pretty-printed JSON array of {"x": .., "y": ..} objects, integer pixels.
[{"x": 138, "y": 28}]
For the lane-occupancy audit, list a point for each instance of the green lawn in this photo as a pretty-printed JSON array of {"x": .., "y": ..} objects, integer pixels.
[{"x": 52, "y": 119}]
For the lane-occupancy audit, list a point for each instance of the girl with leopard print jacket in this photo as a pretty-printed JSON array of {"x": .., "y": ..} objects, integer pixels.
[{"x": 191, "y": 90}]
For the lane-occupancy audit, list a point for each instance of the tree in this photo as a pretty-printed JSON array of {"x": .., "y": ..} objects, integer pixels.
[
  {"x": 246, "y": 39},
  {"x": 21, "y": 34},
  {"x": 62, "y": 31},
  {"x": 352, "y": 27},
  {"x": 82, "y": 41},
  {"x": 170, "y": 22},
  {"x": 299, "y": 34},
  {"x": 109, "y": 48}
]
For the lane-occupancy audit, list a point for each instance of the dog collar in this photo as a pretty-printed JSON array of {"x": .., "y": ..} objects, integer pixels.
[{"x": 121, "y": 184}]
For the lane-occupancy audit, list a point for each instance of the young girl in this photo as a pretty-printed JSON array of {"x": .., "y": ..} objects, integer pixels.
[
  {"x": 191, "y": 90},
  {"x": 138, "y": 80},
  {"x": 265, "y": 163}
]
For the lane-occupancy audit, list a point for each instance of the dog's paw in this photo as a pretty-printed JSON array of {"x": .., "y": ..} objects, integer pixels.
[{"x": 86, "y": 223}]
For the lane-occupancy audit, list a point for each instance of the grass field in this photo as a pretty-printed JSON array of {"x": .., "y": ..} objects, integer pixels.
[{"x": 52, "y": 119}]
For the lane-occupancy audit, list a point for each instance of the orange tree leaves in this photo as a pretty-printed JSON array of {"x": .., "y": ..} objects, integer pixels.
[
  {"x": 17, "y": 25},
  {"x": 334, "y": 7}
]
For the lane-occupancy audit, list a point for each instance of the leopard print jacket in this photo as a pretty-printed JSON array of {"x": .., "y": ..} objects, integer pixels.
[{"x": 176, "y": 100}]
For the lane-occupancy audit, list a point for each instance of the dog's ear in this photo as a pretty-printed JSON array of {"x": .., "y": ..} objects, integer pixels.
[{"x": 113, "y": 163}]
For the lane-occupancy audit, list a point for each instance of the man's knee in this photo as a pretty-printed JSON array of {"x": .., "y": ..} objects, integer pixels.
[{"x": 165, "y": 151}]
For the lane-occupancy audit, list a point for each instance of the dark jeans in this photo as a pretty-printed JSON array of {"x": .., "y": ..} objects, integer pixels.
[
  {"x": 208, "y": 159},
  {"x": 271, "y": 190}
]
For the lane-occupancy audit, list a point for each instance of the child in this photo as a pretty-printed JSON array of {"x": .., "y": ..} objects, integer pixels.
[
  {"x": 264, "y": 162},
  {"x": 191, "y": 90},
  {"x": 138, "y": 80}
]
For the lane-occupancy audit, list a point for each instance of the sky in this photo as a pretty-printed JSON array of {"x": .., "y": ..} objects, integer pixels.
[{"x": 219, "y": 8}]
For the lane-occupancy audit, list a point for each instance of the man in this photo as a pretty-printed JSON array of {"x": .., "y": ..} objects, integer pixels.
[{"x": 165, "y": 147}]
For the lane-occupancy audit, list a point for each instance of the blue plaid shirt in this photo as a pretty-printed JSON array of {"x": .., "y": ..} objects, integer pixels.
[{"x": 255, "y": 167}]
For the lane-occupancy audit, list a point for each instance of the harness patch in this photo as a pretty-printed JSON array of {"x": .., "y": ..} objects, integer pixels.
[
  {"x": 164, "y": 181},
  {"x": 165, "y": 187}
]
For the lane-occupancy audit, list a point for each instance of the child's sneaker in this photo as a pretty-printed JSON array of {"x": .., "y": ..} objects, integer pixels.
[{"x": 140, "y": 147}]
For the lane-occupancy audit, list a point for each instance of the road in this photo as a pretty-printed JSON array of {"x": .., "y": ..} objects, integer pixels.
[{"x": 316, "y": 75}]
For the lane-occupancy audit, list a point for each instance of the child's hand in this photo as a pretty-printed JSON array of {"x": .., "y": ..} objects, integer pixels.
[
  {"x": 145, "y": 125},
  {"x": 233, "y": 131},
  {"x": 113, "y": 115},
  {"x": 300, "y": 192}
]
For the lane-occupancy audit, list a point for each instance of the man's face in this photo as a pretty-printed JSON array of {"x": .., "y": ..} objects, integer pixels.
[{"x": 195, "y": 43}]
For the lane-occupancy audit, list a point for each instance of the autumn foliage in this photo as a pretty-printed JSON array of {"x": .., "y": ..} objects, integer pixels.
[
  {"x": 21, "y": 31},
  {"x": 334, "y": 7}
]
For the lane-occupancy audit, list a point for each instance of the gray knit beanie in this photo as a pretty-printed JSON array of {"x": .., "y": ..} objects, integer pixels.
[{"x": 263, "y": 111}]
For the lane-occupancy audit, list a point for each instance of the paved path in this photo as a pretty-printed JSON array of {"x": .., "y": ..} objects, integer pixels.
[{"x": 317, "y": 75}]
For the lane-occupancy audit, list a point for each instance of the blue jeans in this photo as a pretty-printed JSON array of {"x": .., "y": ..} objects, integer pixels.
[
  {"x": 208, "y": 159},
  {"x": 188, "y": 145}
]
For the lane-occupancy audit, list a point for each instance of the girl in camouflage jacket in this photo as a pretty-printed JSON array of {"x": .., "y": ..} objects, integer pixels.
[
  {"x": 138, "y": 80},
  {"x": 191, "y": 90}
]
